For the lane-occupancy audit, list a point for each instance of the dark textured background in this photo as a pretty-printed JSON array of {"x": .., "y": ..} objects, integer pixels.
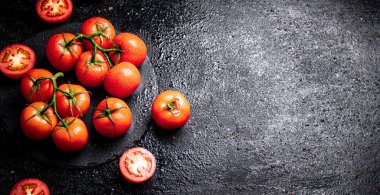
[{"x": 285, "y": 97}]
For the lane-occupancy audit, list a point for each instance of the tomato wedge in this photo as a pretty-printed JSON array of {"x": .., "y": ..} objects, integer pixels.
[
  {"x": 54, "y": 11},
  {"x": 16, "y": 60},
  {"x": 137, "y": 165},
  {"x": 30, "y": 186}
]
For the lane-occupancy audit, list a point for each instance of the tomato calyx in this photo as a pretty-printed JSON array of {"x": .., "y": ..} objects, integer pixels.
[
  {"x": 108, "y": 113},
  {"x": 36, "y": 86},
  {"x": 101, "y": 32},
  {"x": 67, "y": 46},
  {"x": 41, "y": 113},
  {"x": 71, "y": 97},
  {"x": 173, "y": 107},
  {"x": 65, "y": 125}
]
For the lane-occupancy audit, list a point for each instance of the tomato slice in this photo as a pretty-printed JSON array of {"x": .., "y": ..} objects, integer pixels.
[
  {"x": 16, "y": 60},
  {"x": 30, "y": 186},
  {"x": 137, "y": 165},
  {"x": 54, "y": 11}
]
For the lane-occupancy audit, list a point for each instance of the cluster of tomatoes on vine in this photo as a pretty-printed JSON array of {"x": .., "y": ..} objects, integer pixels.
[{"x": 99, "y": 58}]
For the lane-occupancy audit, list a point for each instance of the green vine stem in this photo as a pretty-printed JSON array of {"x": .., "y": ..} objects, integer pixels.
[{"x": 90, "y": 38}]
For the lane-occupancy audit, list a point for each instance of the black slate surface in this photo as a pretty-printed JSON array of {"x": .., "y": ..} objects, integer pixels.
[{"x": 285, "y": 97}]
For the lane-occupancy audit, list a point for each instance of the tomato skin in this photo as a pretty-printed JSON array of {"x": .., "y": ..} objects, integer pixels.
[
  {"x": 141, "y": 158},
  {"x": 63, "y": 102},
  {"x": 48, "y": 15},
  {"x": 121, "y": 117},
  {"x": 45, "y": 92},
  {"x": 91, "y": 76},
  {"x": 30, "y": 185},
  {"x": 89, "y": 27},
  {"x": 19, "y": 53},
  {"x": 134, "y": 49},
  {"x": 36, "y": 127},
  {"x": 76, "y": 140},
  {"x": 122, "y": 80},
  {"x": 167, "y": 119},
  {"x": 55, "y": 48}
]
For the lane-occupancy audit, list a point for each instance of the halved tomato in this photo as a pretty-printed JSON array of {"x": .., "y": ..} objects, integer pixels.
[
  {"x": 54, "y": 11},
  {"x": 16, "y": 59},
  {"x": 30, "y": 186},
  {"x": 137, "y": 165}
]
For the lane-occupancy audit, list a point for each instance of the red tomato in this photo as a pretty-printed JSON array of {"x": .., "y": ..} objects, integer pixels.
[
  {"x": 36, "y": 124},
  {"x": 54, "y": 11},
  {"x": 137, "y": 165},
  {"x": 30, "y": 186},
  {"x": 112, "y": 117},
  {"x": 91, "y": 74},
  {"x": 122, "y": 80},
  {"x": 73, "y": 138},
  {"x": 134, "y": 49},
  {"x": 16, "y": 60},
  {"x": 63, "y": 57},
  {"x": 91, "y": 26},
  {"x": 37, "y": 91},
  {"x": 170, "y": 110},
  {"x": 73, "y": 101}
]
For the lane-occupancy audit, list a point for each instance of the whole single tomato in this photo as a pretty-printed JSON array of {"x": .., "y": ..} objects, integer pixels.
[
  {"x": 30, "y": 186},
  {"x": 122, "y": 80},
  {"x": 38, "y": 120},
  {"x": 35, "y": 90},
  {"x": 16, "y": 59},
  {"x": 93, "y": 25},
  {"x": 53, "y": 11},
  {"x": 133, "y": 47},
  {"x": 61, "y": 53},
  {"x": 170, "y": 110},
  {"x": 72, "y": 100},
  {"x": 72, "y": 137},
  {"x": 137, "y": 165},
  {"x": 112, "y": 117},
  {"x": 91, "y": 73}
]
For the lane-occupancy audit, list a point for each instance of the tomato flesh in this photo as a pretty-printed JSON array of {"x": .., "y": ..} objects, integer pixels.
[
  {"x": 30, "y": 186},
  {"x": 16, "y": 60},
  {"x": 54, "y": 11},
  {"x": 137, "y": 165}
]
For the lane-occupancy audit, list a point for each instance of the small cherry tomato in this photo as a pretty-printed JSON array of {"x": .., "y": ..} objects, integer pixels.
[
  {"x": 35, "y": 90},
  {"x": 16, "y": 60},
  {"x": 30, "y": 186},
  {"x": 54, "y": 11},
  {"x": 137, "y": 165},
  {"x": 134, "y": 49},
  {"x": 112, "y": 117},
  {"x": 91, "y": 74},
  {"x": 93, "y": 25},
  {"x": 122, "y": 80},
  {"x": 72, "y": 138},
  {"x": 61, "y": 53},
  {"x": 38, "y": 120},
  {"x": 170, "y": 110},
  {"x": 72, "y": 100}
]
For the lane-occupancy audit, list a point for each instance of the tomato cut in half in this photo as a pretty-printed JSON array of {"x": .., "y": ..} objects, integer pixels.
[
  {"x": 16, "y": 59},
  {"x": 137, "y": 165},
  {"x": 54, "y": 11},
  {"x": 30, "y": 186}
]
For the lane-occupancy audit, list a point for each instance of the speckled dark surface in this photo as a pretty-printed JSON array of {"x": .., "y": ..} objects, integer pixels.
[{"x": 285, "y": 97}]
